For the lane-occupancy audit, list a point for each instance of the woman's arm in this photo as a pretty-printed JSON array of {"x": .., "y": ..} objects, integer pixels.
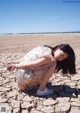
[
  {"x": 34, "y": 64},
  {"x": 14, "y": 62}
]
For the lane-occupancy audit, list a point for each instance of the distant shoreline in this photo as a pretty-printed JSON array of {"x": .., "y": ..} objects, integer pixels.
[{"x": 39, "y": 33}]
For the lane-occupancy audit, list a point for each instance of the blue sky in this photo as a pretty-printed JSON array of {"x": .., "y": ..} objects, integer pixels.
[{"x": 24, "y": 16}]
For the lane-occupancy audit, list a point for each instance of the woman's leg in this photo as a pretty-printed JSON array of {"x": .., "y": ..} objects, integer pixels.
[{"x": 46, "y": 78}]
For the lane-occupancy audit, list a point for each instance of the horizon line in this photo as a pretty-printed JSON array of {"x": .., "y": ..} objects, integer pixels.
[{"x": 40, "y": 32}]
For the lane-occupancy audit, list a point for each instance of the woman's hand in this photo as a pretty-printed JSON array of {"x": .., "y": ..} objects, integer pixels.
[{"x": 10, "y": 67}]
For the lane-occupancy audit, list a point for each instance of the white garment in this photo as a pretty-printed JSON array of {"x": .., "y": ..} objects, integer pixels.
[
  {"x": 24, "y": 75},
  {"x": 35, "y": 54}
]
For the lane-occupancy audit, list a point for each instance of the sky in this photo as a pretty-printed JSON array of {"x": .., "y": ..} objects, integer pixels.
[{"x": 27, "y": 16}]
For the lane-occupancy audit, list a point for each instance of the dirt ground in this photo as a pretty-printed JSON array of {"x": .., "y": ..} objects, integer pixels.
[{"x": 66, "y": 97}]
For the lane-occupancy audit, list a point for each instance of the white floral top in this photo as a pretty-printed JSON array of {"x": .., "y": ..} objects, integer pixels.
[{"x": 33, "y": 75}]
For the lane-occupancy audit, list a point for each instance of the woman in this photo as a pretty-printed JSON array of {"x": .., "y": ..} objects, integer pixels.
[{"x": 38, "y": 65}]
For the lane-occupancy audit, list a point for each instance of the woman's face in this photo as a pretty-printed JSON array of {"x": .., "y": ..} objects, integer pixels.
[{"x": 59, "y": 55}]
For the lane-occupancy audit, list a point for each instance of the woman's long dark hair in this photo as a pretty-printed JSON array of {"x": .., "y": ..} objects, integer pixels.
[{"x": 67, "y": 65}]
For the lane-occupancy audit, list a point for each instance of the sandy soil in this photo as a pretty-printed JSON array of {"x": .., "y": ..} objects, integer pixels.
[
  {"x": 21, "y": 43},
  {"x": 66, "y": 97}
]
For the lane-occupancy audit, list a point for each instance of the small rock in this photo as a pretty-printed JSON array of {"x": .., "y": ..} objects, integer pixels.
[
  {"x": 8, "y": 85},
  {"x": 75, "y": 104},
  {"x": 74, "y": 100},
  {"x": 24, "y": 111},
  {"x": 48, "y": 109},
  {"x": 79, "y": 97},
  {"x": 39, "y": 107},
  {"x": 6, "y": 81},
  {"x": 49, "y": 102},
  {"x": 15, "y": 104},
  {"x": 1, "y": 78},
  {"x": 0, "y": 83},
  {"x": 27, "y": 99},
  {"x": 63, "y": 99},
  {"x": 16, "y": 110},
  {"x": 78, "y": 82},
  {"x": 9, "y": 111},
  {"x": 75, "y": 110},
  {"x": 35, "y": 111},
  {"x": 11, "y": 94},
  {"x": 2, "y": 93},
  {"x": 77, "y": 77},
  {"x": 11, "y": 76},
  {"x": 27, "y": 105},
  {"x": 20, "y": 96},
  {"x": 67, "y": 80},
  {"x": 4, "y": 89},
  {"x": 3, "y": 100},
  {"x": 70, "y": 84},
  {"x": 62, "y": 107},
  {"x": 14, "y": 85}
]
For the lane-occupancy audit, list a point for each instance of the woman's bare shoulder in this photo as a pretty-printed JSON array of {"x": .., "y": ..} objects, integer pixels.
[{"x": 48, "y": 56}]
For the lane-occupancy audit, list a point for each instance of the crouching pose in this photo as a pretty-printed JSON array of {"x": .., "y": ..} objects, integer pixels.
[{"x": 38, "y": 65}]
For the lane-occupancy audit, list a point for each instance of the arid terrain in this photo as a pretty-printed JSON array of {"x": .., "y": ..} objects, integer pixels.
[{"x": 66, "y": 97}]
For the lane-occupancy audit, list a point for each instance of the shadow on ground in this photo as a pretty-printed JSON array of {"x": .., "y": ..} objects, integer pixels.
[{"x": 59, "y": 91}]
